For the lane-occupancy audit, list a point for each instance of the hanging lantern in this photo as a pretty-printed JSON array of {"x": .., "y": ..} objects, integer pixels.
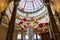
[
  {"x": 21, "y": 22},
  {"x": 41, "y": 25},
  {"x": 24, "y": 19},
  {"x": 27, "y": 14},
  {"x": 27, "y": 23},
  {"x": 46, "y": 24},
  {"x": 24, "y": 26}
]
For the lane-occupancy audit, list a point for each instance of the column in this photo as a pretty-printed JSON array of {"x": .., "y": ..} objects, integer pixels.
[
  {"x": 22, "y": 34},
  {"x": 15, "y": 34},
  {"x": 30, "y": 33},
  {"x": 12, "y": 22},
  {"x": 36, "y": 35},
  {"x": 52, "y": 20},
  {"x": 45, "y": 36}
]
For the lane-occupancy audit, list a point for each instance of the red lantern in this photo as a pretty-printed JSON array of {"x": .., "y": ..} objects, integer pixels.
[
  {"x": 41, "y": 25},
  {"x": 21, "y": 22},
  {"x": 24, "y": 26},
  {"x": 24, "y": 19},
  {"x": 46, "y": 24}
]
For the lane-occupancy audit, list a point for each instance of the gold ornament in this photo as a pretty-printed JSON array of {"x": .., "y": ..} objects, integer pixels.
[
  {"x": 35, "y": 22},
  {"x": 28, "y": 23},
  {"x": 27, "y": 14},
  {"x": 18, "y": 16}
]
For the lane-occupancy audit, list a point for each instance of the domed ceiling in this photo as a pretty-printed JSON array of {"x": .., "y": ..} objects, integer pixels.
[{"x": 29, "y": 9}]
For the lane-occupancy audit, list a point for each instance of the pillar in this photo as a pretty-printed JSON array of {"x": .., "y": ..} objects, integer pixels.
[
  {"x": 45, "y": 36},
  {"x": 22, "y": 34},
  {"x": 36, "y": 35},
  {"x": 15, "y": 34},
  {"x": 52, "y": 20},
  {"x": 12, "y": 22},
  {"x": 30, "y": 33}
]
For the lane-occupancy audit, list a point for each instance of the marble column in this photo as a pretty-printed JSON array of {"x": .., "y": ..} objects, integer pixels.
[
  {"x": 30, "y": 33},
  {"x": 12, "y": 21},
  {"x": 52, "y": 20},
  {"x": 36, "y": 35},
  {"x": 45, "y": 36},
  {"x": 15, "y": 34},
  {"x": 22, "y": 34}
]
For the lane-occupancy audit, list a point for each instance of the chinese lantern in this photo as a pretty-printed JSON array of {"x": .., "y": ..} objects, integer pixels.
[
  {"x": 27, "y": 14},
  {"x": 46, "y": 24},
  {"x": 24, "y": 19},
  {"x": 28, "y": 23},
  {"x": 24, "y": 26},
  {"x": 41, "y": 25},
  {"x": 21, "y": 22}
]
